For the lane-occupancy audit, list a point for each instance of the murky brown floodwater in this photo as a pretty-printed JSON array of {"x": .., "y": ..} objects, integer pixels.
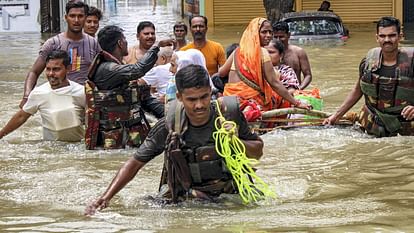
[{"x": 327, "y": 180}]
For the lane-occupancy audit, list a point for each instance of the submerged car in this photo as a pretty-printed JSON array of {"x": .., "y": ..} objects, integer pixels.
[{"x": 315, "y": 26}]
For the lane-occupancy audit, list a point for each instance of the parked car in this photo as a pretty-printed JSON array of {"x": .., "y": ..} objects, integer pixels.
[{"x": 310, "y": 27}]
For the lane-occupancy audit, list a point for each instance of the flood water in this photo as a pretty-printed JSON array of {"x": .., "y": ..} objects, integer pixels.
[{"x": 332, "y": 179}]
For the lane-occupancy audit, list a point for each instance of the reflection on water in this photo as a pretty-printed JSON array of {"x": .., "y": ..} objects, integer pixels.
[{"x": 327, "y": 179}]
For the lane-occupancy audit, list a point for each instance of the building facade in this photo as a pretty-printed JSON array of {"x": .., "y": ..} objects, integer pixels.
[{"x": 226, "y": 12}]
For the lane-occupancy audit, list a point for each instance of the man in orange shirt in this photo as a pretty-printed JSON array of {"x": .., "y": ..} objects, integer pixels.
[{"x": 212, "y": 51}]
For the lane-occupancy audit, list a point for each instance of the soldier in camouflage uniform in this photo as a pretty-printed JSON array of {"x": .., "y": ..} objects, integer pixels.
[
  {"x": 387, "y": 83},
  {"x": 192, "y": 166},
  {"x": 116, "y": 102}
]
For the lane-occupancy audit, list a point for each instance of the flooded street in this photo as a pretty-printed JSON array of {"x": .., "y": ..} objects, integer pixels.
[{"x": 332, "y": 179}]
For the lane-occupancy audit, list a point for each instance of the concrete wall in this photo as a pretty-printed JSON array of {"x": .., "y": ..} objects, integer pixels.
[{"x": 21, "y": 23}]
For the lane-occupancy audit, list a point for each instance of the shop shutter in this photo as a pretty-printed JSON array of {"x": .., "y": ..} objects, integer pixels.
[
  {"x": 50, "y": 16},
  {"x": 355, "y": 11},
  {"x": 45, "y": 16},
  {"x": 237, "y": 12},
  {"x": 351, "y": 11}
]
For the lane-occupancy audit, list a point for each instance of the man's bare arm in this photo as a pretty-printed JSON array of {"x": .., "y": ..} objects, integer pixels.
[
  {"x": 31, "y": 78},
  {"x": 306, "y": 69},
  {"x": 14, "y": 123}
]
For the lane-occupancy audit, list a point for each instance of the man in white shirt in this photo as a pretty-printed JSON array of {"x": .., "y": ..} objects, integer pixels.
[
  {"x": 81, "y": 47},
  {"x": 61, "y": 103}
]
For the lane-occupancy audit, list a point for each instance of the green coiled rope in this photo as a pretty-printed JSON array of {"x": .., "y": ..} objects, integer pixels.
[{"x": 232, "y": 149}]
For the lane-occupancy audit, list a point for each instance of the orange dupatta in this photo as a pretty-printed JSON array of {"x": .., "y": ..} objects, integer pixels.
[{"x": 249, "y": 59}]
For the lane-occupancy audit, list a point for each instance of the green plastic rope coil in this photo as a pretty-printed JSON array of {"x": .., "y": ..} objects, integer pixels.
[{"x": 232, "y": 149}]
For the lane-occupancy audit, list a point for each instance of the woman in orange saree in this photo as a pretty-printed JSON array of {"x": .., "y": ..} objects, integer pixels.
[{"x": 251, "y": 73}]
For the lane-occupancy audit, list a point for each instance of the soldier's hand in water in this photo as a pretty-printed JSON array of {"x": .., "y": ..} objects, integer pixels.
[
  {"x": 166, "y": 42},
  {"x": 98, "y": 204},
  {"x": 408, "y": 113}
]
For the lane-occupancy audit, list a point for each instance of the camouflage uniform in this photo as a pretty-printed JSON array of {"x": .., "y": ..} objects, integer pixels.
[
  {"x": 115, "y": 113},
  {"x": 385, "y": 97}
]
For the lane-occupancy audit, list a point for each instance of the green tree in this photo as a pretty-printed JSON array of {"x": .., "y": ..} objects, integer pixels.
[{"x": 275, "y": 8}]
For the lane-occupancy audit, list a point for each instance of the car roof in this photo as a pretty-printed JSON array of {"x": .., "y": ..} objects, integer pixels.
[{"x": 309, "y": 14}]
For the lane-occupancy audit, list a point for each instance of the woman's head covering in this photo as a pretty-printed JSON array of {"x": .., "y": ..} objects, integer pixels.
[
  {"x": 191, "y": 56},
  {"x": 250, "y": 40},
  {"x": 251, "y": 54}
]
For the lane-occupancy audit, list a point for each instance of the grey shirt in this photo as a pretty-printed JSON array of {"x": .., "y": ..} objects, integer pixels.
[{"x": 81, "y": 54}]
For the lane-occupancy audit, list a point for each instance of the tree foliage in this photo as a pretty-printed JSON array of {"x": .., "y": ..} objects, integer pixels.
[{"x": 275, "y": 8}]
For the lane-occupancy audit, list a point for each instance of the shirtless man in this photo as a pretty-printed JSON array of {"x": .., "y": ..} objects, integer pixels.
[
  {"x": 180, "y": 34},
  {"x": 295, "y": 56},
  {"x": 146, "y": 38}
]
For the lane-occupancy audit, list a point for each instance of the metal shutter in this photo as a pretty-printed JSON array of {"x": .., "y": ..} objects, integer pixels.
[
  {"x": 45, "y": 16},
  {"x": 355, "y": 11},
  {"x": 237, "y": 11}
]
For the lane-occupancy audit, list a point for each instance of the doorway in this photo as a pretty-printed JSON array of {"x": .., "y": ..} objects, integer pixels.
[{"x": 50, "y": 16}]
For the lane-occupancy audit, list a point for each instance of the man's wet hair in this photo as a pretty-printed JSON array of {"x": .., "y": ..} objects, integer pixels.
[
  {"x": 200, "y": 16},
  {"x": 277, "y": 44},
  {"x": 108, "y": 37},
  {"x": 180, "y": 24},
  {"x": 389, "y": 21},
  {"x": 58, "y": 54},
  {"x": 143, "y": 25},
  {"x": 192, "y": 76},
  {"x": 76, "y": 4},
  {"x": 93, "y": 11},
  {"x": 231, "y": 48},
  {"x": 281, "y": 26}
]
